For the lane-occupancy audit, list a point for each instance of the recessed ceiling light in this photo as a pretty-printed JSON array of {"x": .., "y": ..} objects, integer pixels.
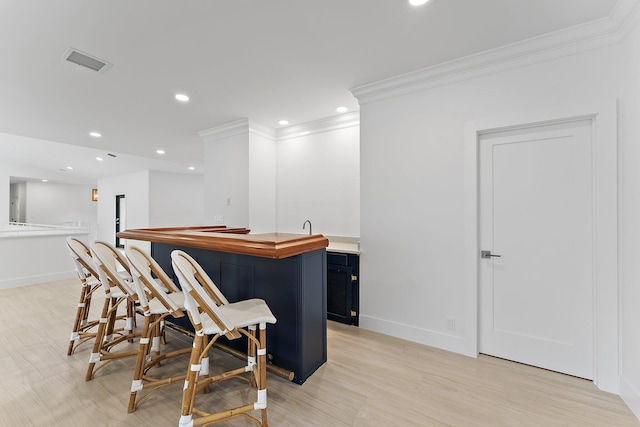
[
  {"x": 45, "y": 180},
  {"x": 182, "y": 97},
  {"x": 160, "y": 151},
  {"x": 341, "y": 109},
  {"x": 417, "y": 2},
  {"x": 69, "y": 168},
  {"x": 95, "y": 134},
  {"x": 283, "y": 122},
  {"x": 99, "y": 159},
  {"x": 191, "y": 168}
]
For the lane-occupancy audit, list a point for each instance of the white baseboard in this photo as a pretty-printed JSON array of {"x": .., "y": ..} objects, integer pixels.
[
  {"x": 631, "y": 396},
  {"x": 33, "y": 280},
  {"x": 610, "y": 384},
  {"x": 428, "y": 337}
]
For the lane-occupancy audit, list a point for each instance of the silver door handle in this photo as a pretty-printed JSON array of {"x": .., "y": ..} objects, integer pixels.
[{"x": 488, "y": 254}]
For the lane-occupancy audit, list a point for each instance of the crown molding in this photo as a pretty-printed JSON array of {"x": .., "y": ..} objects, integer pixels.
[
  {"x": 340, "y": 121},
  {"x": 626, "y": 15},
  {"x": 237, "y": 127},
  {"x": 569, "y": 41},
  {"x": 263, "y": 131},
  {"x": 228, "y": 130}
]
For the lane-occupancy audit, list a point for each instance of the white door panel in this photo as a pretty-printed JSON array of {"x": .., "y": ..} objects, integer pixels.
[{"x": 536, "y": 299}]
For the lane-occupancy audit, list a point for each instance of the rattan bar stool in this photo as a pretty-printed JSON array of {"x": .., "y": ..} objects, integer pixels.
[
  {"x": 85, "y": 268},
  {"x": 118, "y": 289},
  {"x": 158, "y": 298},
  {"x": 212, "y": 314}
]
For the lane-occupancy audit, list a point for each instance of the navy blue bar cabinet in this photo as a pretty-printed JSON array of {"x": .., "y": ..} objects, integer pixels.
[{"x": 288, "y": 271}]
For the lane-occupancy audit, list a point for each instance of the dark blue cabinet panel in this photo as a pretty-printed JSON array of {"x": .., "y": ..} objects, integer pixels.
[
  {"x": 295, "y": 289},
  {"x": 343, "y": 287}
]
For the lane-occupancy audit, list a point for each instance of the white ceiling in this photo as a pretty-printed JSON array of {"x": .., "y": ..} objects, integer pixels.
[{"x": 256, "y": 59}]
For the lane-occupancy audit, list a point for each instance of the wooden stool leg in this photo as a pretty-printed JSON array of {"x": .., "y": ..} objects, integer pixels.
[
  {"x": 141, "y": 358},
  {"x": 100, "y": 334},
  {"x": 130, "y": 318},
  {"x": 191, "y": 382},
  {"x": 262, "y": 374},
  {"x": 157, "y": 338},
  {"x": 111, "y": 321},
  {"x": 204, "y": 368},
  {"x": 251, "y": 356},
  {"x": 87, "y": 306},
  {"x": 81, "y": 314}
]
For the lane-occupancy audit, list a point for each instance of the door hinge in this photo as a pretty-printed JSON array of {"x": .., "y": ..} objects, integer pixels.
[
  {"x": 354, "y": 278},
  {"x": 353, "y": 313}
]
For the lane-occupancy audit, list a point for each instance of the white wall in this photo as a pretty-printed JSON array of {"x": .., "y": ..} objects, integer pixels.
[
  {"x": 256, "y": 179},
  {"x": 226, "y": 180},
  {"x": 135, "y": 187},
  {"x": 630, "y": 221},
  {"x": 14, "y": 169},
  {"x": 35, "y": 259},
  {"x": 319, "y": 180},
  {"x": 262, "y": 184},
  {"x": 60, "y": 204},
  {"x": 412, "y": 187},
  {"x": 175, "y": 199}
]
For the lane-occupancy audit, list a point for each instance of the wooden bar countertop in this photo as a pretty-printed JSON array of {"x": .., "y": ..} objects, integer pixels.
[{"x": 233, "y": 240}]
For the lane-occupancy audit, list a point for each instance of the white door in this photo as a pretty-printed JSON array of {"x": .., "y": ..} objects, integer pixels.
[{"x": 536, "y": 204}]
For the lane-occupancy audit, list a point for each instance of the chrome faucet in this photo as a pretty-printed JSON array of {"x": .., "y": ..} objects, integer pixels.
[{"x": 305, "y": 224}]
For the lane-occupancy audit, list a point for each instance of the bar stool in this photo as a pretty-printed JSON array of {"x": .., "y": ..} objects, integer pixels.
[
  {"x": 212, "y": 314},
  {"x": 158, "y": 298},
  {"x": 118, "y": 289},
  {"x": 85, "y": 268}
]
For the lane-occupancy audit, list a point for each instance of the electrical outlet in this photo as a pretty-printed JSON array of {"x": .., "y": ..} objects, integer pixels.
[
  {"x": 451, "y": 323},
  {"x": 218, "y": 219}
]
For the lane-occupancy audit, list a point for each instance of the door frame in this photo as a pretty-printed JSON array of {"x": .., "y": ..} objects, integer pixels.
[{"x": 605, "y": 213}]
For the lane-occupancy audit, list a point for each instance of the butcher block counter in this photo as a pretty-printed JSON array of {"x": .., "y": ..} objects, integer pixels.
[{"x": 288, "y": 271}]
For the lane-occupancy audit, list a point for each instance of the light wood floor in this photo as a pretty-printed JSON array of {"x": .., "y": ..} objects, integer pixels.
[{"x": 369, "y": 380}]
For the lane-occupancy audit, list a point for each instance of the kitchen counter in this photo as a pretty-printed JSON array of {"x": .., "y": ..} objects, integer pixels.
[
  {"x": 232, "y": 240},
  {"x": 345, "y": 245}
]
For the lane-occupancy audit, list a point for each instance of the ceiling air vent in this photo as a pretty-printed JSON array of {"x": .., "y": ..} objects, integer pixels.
[{"x": 86, "y": 60}]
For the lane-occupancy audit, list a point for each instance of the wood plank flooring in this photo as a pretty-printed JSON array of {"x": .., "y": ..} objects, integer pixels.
[{"x": 369, "y": 380}]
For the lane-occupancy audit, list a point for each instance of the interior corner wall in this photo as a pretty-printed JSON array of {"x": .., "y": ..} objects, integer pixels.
[
  {"x": 319, "y": 180},
  {"x": 175, "y": 199},
  {"x": 262, "y": 184},
  {"x": 412, "y": 188},
  {"x": 135, "y": 187},
  {"x": 226, "y": 180},
  {"x": 629, "y": 224}
]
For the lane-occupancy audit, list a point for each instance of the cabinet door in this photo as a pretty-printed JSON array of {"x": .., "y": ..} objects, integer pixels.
[{"x": 339, "y": 291}]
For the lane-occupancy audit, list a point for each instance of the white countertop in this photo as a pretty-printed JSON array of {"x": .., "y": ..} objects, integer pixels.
[{"x": 346, "y": 245}]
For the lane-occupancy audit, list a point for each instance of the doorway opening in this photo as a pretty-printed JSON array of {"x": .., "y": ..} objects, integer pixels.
[{"x": 121, "y": 218}]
